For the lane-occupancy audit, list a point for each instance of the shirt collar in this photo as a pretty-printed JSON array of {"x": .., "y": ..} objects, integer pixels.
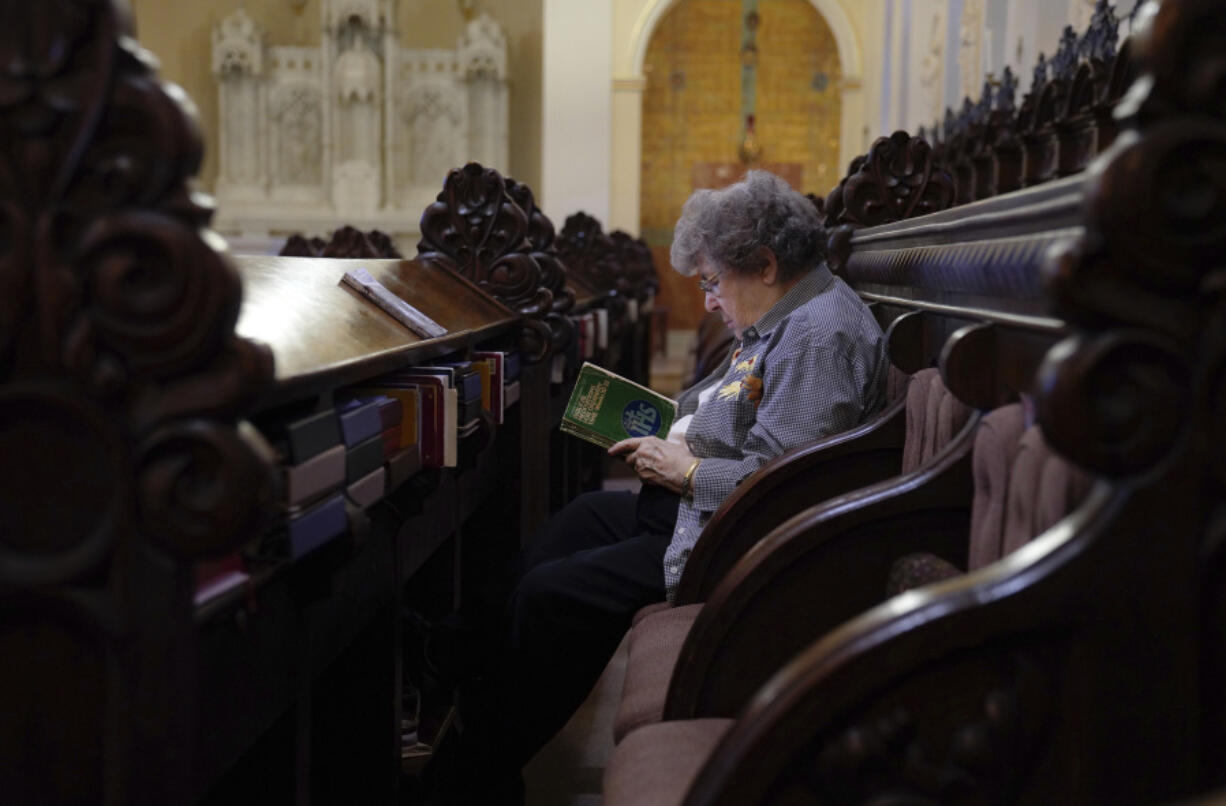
[{"x": 814, "y": 282}]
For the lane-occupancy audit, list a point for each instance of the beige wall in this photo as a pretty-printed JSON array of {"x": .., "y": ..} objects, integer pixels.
[{"x": 180, "y": 35}]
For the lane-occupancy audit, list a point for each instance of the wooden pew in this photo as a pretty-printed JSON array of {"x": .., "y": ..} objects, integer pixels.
[
  {"x": 1083, "y": 668},
  {"x": 354, "y": 635},
  {"x": 135, "y": 357},
  {"x": 123, "y": 386}
]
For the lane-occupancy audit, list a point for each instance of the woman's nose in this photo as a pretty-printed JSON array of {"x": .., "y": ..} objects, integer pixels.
[{"x": 710, "y": 302}]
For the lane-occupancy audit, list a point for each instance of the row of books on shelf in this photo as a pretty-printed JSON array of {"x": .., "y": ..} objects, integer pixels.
[
  {"x": 592, "y": 329},
  {"x": 376, "y": 437},
  {"x": 591, "y": 337}
]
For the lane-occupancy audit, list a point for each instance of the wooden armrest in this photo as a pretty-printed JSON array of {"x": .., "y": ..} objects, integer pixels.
[
  {"x": 814, "y": 572},
  {"x": 1009, "y": 680},
  {"x": 789, "y": 484}
]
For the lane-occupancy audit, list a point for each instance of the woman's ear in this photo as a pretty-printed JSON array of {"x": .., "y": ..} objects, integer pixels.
[{"x": 770, "y": 267}]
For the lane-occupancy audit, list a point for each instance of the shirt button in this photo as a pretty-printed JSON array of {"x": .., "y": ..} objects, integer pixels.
[
  {"x": 681, "y": 531},
  {"x": 672, "y": 569}
]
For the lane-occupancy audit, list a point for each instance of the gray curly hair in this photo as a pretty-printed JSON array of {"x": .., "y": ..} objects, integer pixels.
[{"x": 730, "y": 227}]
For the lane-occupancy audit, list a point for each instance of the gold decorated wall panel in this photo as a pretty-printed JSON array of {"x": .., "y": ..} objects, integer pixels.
[{"x": 694, "y": 107}]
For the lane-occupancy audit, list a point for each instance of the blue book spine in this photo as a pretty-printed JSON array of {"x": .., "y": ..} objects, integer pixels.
[
  {"x": 510, "y": 368},
  {"x": 317, "y": 526},
  {"x": 360, "y": 420}
]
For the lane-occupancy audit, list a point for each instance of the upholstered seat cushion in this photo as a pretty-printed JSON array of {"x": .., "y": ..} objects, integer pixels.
[
  {"x": 644, "y": 612},
  {"x": 656, "y": 764},
  {"x": 896, "y": 382},
  {"x": 997, "y": 443},
  {"x": 652, "y": 648},
  {"x": 934, "y": 418},
  {"x": 1043, "y": 488}
]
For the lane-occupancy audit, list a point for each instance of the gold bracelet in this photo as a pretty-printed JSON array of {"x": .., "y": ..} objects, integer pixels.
[{"x": 687, "y": 490}]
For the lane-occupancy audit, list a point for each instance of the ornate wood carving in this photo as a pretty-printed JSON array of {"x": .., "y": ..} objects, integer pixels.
[
  {"x": 589, "y": 252},
  {"x": 897, "y": 179},
  {"x": 346, "y": 242},
  {"x": 832, "y": 206},
  {"x": 885, "y": 758},
  {"x": 121, "y": 385},
  {"x": 476, "y": 230},
  {"x": 1065, "y": 120},
  {"x": 1004, "y": 144},
  {"x": 349, "y": 242},
  {"x": 553, "y": 271},
  {"x": 384, "y": 246},
  {"x": 634, "y": 257},
  {"x": 1136, "y": 395},
  {"x": 1145, "y": 276},
  {"x": 297, "y": 245}
]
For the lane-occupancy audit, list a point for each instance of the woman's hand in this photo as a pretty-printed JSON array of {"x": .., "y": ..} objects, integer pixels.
[{"x": 656, "y": 461}]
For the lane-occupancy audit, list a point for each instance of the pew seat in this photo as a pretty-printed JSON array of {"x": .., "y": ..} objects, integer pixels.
[
  {"x": 1042, "y": 488},
  {"x": 658, "y": 764},
  {"x": 934, "y": 417},
  {"x": 1021, "y": 489}
]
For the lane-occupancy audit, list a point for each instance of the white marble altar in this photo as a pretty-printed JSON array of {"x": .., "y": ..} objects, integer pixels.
[{"x": 358, "y": 130}]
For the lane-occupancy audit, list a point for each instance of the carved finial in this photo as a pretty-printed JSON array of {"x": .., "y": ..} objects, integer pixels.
[
  {"x": 922, "y": 133},
  {"x": 1065, "y": 60},
  {"x": 966, "y": 114},
  {"x": 950, "y": 123},
  {"x": 1005, "y": 92},
  {"x": 983, "y": 107},
  {"x": 898, "y": 179},
  {"x": 1103, "y": 34},
  {"x": 1040, "y": 75},
  {"x": 476, "y": 229}
]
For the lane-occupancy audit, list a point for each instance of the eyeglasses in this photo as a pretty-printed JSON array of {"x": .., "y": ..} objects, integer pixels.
[{"x": 711, "y": 284}]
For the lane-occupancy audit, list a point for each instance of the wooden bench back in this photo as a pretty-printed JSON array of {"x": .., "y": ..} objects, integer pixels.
[
  {"x": 1087, "y": 666},
  {"x": 121, "y": 387}
]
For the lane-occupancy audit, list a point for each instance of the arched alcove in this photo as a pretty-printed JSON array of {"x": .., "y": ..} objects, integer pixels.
[
  {"x": 694, "y": 104},
  {"x": 850, "y": 59},
  {"x": 635, "y": 21}
]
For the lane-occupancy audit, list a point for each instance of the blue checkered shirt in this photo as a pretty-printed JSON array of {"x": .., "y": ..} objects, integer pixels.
[{"x": 812, "y": 366}]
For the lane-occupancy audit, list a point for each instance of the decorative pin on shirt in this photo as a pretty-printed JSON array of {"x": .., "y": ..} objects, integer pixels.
[{"x": 753, "y": 389}]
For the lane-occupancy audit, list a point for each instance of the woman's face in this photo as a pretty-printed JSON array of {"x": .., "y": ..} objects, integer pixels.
[{"x": 741, "y": 299}]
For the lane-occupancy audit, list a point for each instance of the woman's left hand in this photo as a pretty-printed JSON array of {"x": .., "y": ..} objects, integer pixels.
[{"x": 656, "y": 461}]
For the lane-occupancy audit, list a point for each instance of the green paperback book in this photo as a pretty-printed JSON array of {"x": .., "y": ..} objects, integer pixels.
[{"x": 605, "y": 408}]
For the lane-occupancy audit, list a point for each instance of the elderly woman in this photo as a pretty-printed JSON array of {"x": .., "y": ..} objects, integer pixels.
[{"x": 809, "y": 361}]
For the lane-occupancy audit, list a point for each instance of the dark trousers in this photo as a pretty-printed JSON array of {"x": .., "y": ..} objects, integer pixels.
[{"x": 590, "y": 568}]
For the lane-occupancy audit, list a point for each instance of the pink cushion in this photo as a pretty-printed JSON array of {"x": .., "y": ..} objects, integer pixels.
[
  {"x": 996, "y": 447},
  {"x": 934, "y": 417},
  {"x": 656, "y": 764},
  {"x": 896, "y": 383},
  {"x": 1043, "y": 488},
  {"x": 644, "y": 612},
  {"x": 952, "y": 414},
  {"x": 917, "y": 413},
  {"x": 653, "y": 648}
]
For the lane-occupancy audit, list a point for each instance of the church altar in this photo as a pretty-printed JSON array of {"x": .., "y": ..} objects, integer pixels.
[{"x": 357, "y": 130}]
